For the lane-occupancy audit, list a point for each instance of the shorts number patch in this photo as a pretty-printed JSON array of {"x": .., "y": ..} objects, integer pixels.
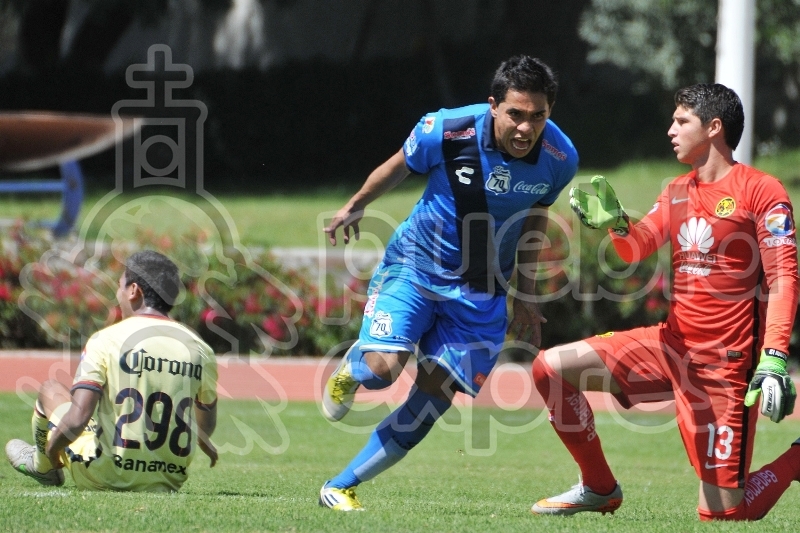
[{"x": 725, "y": 434}]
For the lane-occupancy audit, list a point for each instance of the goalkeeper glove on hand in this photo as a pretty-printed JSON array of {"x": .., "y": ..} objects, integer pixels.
[
  {"x": 602, "y": 211},
  {"x": 772, "y": 379}
]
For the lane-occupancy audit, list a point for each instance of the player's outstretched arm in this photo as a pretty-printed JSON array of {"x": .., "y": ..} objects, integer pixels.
[
  {"x": 771, "y": 379},
  {"x": 72, "y": 424},
  {"x": 381, "y": 180},
  {"x": 600, "y": 211},
  {"x": 206, "y": 424}
]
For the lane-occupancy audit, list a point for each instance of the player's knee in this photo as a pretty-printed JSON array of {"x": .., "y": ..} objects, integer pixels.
[
  {"x": 385, "y": 365},
  {"x": 51, "y": 390}
]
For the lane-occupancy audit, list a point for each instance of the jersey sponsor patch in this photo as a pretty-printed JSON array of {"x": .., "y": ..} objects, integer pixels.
[
  {"x": 696, "y": 233},
  {"x": 725, "y": 207},
  {"x": 429, "y": 123},
  {"x": 778, "y": 221},
  {"x": 459, "y": 135},
  {"x": 369, "y": 308},
  {"x": 499, "y": 181},
  {"x": 553, "y": 151},
  {"x": 532, "y": 188},
  {"x": 772, "y": 242}
]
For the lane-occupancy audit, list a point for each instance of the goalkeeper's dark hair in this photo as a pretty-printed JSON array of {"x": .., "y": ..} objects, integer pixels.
[
  {"x": 158, "y": 278},
  {"x": 524, "y": 74},
  {"x": 714, "y": 100}
]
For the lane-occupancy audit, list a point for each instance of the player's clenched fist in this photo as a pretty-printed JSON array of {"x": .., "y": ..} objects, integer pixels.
[{"x": 774, "y": 382}]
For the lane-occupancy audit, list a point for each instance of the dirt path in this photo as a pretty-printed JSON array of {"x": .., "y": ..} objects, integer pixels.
[{"x": 509, "y": 386}]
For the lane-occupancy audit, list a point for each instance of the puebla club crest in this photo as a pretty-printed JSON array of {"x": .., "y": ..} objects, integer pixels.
[{"x": 499, "y": 181}]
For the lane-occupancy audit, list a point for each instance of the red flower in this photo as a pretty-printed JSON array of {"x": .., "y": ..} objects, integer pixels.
[
  {"x": 5, "y": 292},
  {"x": 251, "y": 305},
  {"x": 208, "y": 315},
  {"x": 274, "y": 326}
]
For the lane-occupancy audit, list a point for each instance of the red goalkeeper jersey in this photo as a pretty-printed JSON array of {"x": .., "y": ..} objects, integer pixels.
[{"x": 734, "y": 261}]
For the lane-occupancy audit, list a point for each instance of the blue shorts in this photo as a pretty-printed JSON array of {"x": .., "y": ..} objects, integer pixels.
[{"x": 462, "y": 331}]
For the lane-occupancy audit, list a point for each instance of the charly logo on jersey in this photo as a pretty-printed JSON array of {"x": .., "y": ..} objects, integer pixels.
[
  {"x": 778, "y": 222},
  {"x": 696, "y": 239},
  {"x": 725, "y": 207},
  {"x": 499, "y": 181},
  {"x": 381, "y": 325},
  {"x": 463, "y": 174},
  {"x": 427, "y": 127}
]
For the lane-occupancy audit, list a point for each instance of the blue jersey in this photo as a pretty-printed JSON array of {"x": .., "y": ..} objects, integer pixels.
[{"x": 466, "y": 226}]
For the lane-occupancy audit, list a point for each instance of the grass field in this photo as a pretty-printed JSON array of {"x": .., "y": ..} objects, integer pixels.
[
  {"x": 268, "y": 219},
  {"x": 440, "y": 486}
]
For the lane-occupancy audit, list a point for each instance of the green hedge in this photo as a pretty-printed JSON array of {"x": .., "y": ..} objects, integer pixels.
[{"x": 54, "y": 295}]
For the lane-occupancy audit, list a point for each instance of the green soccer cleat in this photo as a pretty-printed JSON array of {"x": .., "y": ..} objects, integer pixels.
[
  {"x": 340, "y": 390},
  {"x": 339, "y": 499},
  {"x": 578, "y": 499},
  {"x": 20, "y": 455}
]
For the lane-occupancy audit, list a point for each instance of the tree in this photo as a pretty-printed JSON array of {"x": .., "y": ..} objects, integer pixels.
[{"x": 667, "y": 44}]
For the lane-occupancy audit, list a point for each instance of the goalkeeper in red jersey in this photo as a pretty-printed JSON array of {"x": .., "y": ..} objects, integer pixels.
[{"x": 726, "y": 339}]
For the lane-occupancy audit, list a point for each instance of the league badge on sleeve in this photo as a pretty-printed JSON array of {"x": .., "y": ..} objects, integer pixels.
[
  {"x": 411, "y": 144},
  {"x": 778, "y": 222}
]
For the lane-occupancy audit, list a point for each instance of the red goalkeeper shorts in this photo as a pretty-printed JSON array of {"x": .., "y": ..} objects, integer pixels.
[{"x": 652, "y": 364}]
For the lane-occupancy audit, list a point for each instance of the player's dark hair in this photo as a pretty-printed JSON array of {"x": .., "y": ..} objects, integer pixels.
[
  {"x": 524, "y": 74},
  {"x": 713, "y": 100},
  {"x": 158, "y": 278}
]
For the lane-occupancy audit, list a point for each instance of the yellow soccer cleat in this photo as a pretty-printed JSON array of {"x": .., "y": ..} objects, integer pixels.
[
  {"x": 340, "y": 390},
  {"x": 339, "y": 499}
]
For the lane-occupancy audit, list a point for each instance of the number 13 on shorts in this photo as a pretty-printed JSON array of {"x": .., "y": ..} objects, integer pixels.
[{"x": 719, "y": 441}]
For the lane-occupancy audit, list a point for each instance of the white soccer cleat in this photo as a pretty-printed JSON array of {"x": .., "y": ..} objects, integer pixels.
[
  {"x": 340, "y": 390},
  {"x": 20, "y": 455},
  {"x": 339, "y": 499},
  {"x": 578, "y": 499}
]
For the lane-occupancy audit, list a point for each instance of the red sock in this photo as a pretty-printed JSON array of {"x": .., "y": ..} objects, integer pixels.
[
  {"x": 573, "y": 419},
  {"x": 763, "y": 489}
]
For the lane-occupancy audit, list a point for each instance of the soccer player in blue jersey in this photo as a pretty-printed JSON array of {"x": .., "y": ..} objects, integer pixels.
[{"x": 440, "y": 292}]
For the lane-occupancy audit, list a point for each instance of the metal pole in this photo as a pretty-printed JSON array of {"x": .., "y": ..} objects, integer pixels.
[{"x": 736, "y": 22}]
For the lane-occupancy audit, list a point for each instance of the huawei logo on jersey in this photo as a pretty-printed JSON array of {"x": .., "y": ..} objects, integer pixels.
[{"x": 696, "y": 234}]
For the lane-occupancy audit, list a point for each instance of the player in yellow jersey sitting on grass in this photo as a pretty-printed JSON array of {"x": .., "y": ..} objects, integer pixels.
[{"x": 153, "y": 383}]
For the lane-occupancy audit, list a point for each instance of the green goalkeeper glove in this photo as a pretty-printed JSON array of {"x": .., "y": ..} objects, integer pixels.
[
  {"x": 602, "y": 211},
  {"x": 772, "y": 379}
]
